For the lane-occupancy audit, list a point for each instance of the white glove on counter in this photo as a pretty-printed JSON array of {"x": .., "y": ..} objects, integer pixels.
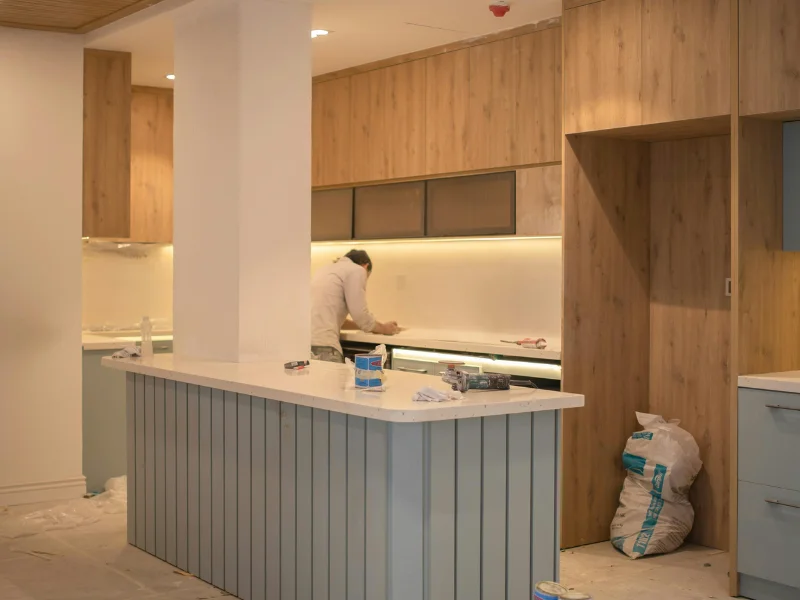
[{"x": 429, "y": 394}]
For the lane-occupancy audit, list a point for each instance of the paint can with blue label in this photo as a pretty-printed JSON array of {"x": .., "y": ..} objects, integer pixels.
[
  {"x": 369, "y": 371},
  {"x": 549, "y": 590}
]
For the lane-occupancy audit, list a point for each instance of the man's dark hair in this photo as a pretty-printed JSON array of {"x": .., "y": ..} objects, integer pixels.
[{"x": 361, "y": 258}]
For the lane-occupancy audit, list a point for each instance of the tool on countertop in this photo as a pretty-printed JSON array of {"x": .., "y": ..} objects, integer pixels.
[
  {"x": 296, "y": 365},
  {"x": 534, "y": 343},
  {"x": 461, "y": 381}
]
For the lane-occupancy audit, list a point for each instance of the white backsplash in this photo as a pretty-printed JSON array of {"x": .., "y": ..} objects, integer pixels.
[
  {"x": 502, "y": 286},
  {"x": 124, "y": 282},
  {"x": 505, "y": 286}
]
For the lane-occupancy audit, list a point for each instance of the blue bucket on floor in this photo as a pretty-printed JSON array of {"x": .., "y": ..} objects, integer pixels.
[
  {"x": 548, "y": 590},
  {"x": 369, "y": 371}
]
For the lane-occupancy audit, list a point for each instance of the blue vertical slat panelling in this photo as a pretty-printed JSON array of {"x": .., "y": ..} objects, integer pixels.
[
  {"x": 320, "y": 504},
  {"x": 407, "y": 499},
  {"x": 545, "y": 460},
  {"x": 204, "y": 517},
  {"x": 288, "y": 502},
  {"x": 356, "y": 507},
  {"x": 244, "y": 496},
  {"x": 130, "y": 429},
  {"x": 338, "y": 507},
  {"x": 231, "y": 484},
  {"x": 377, "y": 514},
  {"x": 150, "y": 460},
  {"x": 181, "y": 475},
  {"x": 518, "y": 568},
  {"x": 218, "y": 488},
  {"x": 304, "y": 504},
  {"x": 170, "y": 454},
  {"x": 141, "y": 465},
  {"x": 494, "y": 507},
  {"x": 258, "y": 508},
  {"x": 193, "y": 480},
  {"x": 441, "y": 554},
  {"x": 273, "y": 499},
  {"x": 469, "y": 446},
  {"x": 161, "y": 468}
]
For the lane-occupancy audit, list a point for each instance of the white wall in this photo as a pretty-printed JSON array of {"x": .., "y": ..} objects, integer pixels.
[
  {"x": 509, "y": 287},
  {"x": 41, "y": 137},
  {"x": 124, "y": 282}
]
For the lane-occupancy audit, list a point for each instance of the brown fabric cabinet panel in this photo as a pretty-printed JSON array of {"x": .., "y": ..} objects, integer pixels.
[
  {"x": 473, "y": 205},
  {"x": 390, "y": 211},
  {"x": 332, "y": 215}
]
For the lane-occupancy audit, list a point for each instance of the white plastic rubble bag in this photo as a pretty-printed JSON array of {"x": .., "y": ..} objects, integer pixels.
[{"x": 654, "y": 514}]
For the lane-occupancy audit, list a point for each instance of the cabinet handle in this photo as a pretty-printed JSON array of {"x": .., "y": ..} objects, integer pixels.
[
  {"x": 779, "y": 503},
  {"x": 407, "y": 370},
  {"x": 779, "y": 407}
]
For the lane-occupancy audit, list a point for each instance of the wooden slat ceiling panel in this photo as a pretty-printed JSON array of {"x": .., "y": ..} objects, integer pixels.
[{"x": 75, "y": 16}]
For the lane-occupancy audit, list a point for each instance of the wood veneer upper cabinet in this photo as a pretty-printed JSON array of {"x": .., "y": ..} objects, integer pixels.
[
  {"x": 686, "y": 60},
  {"x": 390, "y": 211},
  {"x": 387, "y": 111},
  {"x": 106, "y": 143},
  {"x": 151, "y": 164},
  {"x": 492, "y": 103},
  {"x": 769, "y": 56},
  {"x": 332, "y": 215},
  {"x": 472, "y": 205},
  {"x": 539, "y": 201},
  {"x": 537, "y": 110},
  {"x": 603, "y": 66},
  {"x": 446, "y": 112},
  {"x": 330, "y": 132},
  {"x": 641, "y": 62}
]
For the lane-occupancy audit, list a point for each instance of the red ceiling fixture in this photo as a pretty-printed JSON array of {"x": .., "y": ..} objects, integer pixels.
[{"x": 499, "y": 8}]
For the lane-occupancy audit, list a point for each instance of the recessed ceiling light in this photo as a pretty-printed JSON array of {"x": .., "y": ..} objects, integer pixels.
[
  {"x": 170, "y": 76},
  {"x": 319, "y": 32}
]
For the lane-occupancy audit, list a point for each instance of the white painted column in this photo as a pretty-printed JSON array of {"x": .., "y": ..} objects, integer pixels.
[
  {"x": 242, "y": 180},
  {"x": 41, "y": 148}
]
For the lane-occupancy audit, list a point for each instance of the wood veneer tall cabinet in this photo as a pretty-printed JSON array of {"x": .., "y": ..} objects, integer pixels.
[
  {"x": 766, "y": 278},
  {"x": 673, "y": 183},
  {"x": 647, "y": 246}
]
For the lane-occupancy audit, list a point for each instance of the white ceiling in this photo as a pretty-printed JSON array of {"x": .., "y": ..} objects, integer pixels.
[{"x": 363, "y": 31}]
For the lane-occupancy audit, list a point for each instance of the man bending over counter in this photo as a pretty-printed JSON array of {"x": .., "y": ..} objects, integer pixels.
[{"x": 339, "y": 290}]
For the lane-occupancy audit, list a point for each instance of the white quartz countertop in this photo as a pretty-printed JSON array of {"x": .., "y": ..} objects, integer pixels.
[
  {"x": 458, "y": 341},
  {"x": 429, "y": 339},
  {"x": 788, "y": 381},
  {"x": 93, "y": 341},
  {"x": 322, "y": 385}
]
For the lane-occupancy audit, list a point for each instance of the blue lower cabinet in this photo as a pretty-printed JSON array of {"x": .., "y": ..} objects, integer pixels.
[
  {"x": 104, "y": 419},
  {"x": 267, "y": 499},
  {"x": 769, "y": 500}
]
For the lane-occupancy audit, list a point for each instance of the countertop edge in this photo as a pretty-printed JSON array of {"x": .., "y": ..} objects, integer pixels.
[
  {"x": 443, "y": 412},
  {"x": 770, "y": 384}
]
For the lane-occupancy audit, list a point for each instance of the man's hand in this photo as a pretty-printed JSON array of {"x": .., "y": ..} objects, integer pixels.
[{"x": 389, "y": 328}]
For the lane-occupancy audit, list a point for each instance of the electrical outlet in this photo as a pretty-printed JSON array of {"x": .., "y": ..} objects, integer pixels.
[{"x": 400, "y": 283}]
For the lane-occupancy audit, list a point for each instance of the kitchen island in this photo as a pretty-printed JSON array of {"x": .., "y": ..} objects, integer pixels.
[{"x": 275, "y": 484}]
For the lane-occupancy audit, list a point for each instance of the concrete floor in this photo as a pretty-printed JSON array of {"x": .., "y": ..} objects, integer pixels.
[{"x": 93, "y": 562}]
